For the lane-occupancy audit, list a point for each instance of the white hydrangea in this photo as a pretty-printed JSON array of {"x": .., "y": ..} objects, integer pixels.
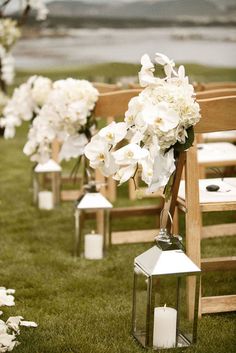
[
  {"x": 155, "y": 121},
  {"x": 25, "y": 103},
  {"x": 64, "y": 116}
]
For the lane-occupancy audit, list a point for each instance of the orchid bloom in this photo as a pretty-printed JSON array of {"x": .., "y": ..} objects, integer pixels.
[
  {"x": 97, "y": 151},
  {"x": 166, "y": 62},
  {"x": 164, "y": 166},
  {"x": 113, "y": 133},
  {"x": 161, "y": 116}
]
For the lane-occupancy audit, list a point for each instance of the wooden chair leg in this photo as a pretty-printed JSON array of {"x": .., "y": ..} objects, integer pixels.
[
  {"x": 193, "y": 224},
  {"x": 111, "y": 189},
  {"x": 55, "y": 150},
  {"x": 56, "y": 182},
  {"x": 100, "y": 221},
  {"x": 99, "y": 178}
]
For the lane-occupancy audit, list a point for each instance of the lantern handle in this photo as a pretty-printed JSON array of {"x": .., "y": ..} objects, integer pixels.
[
  {"x": 161, "y": 219},
  {"x": 164, "y": 237}
]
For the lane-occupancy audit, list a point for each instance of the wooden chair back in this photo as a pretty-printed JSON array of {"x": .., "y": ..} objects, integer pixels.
[
  {"x": 201, "y": 86},
  {"x": 213, "y": 93},
  {"x": 106, "y": 87}
]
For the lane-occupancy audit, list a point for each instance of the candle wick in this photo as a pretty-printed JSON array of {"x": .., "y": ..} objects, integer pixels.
[{"x": 164, "y": 307}]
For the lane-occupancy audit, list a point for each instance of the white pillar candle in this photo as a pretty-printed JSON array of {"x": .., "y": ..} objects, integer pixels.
[
  {"x": 93, "y": 246},
  {"x": 164, "y": 329},
  {"x": 45, "y": 200}
]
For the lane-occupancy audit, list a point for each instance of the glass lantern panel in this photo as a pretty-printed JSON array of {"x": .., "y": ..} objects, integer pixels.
[
  {"x": 174, "y": 325},
  {"x": 187, "y": 315},
  {"x": 140, "y": 305}
]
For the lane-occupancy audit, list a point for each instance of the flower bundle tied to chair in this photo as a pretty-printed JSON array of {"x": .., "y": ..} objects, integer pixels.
[{"x": 158, "y": 123}]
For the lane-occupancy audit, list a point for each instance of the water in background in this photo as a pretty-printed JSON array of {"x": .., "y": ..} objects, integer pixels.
[{"x": 215, "y": 46}]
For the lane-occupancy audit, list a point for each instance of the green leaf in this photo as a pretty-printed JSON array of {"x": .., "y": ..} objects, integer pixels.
[{"x": 188, "y": 143}]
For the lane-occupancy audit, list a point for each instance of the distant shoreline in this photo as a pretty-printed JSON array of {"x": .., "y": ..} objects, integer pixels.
[{"x": 98, "y": 22}]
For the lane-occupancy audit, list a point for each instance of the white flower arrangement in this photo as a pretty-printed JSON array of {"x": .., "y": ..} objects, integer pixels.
[
  {"x": 11, "y": 328},
  {"x": 65, "y": 116},
  {"x": 10, "y": 32},
  {"x": 158, "y": 122},
  {"x": 25, "y": 103}
]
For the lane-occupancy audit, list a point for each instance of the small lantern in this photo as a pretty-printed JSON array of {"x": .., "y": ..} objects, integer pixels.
[
  {"x": 160, "y": 316},
  {"x": 92, "y": 201},
  {"x": 47, "y": 199}
]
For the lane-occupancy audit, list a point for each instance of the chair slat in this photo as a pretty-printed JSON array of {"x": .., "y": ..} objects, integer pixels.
[
  {"x": 114, "y": 104},
  {"x": 221, "y": 110}
]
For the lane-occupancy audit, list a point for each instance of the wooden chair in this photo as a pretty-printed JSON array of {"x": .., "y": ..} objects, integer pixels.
[{"x": 218, "y": 114}]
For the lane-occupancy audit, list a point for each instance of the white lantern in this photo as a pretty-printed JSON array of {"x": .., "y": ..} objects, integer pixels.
[
  {"x": 92, "y": 202},
  {"x": 47, "y": 196},
  {"x": 160, "y": 316}
]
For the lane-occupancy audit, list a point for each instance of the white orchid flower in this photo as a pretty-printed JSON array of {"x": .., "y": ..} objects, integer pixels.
[
  {"x": 97, "y": 151},
  {"x": 147, "y": 170},
  {"x": 134, "y": 107},
  {"x": 113, "y": 133},
  {"x": 161, "y": 116},
  {"x": 73, "y": 147},
  {"x": 166, "y": 62},
  {"x": 146, "y": 76},
  {"x": 125, "y": 173},
  {"x": 164, "y": 166},
  {"x": 130, "y": 154}
]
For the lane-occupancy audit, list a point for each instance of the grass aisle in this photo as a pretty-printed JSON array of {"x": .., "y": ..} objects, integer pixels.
[{"x": 80, "y": 306}]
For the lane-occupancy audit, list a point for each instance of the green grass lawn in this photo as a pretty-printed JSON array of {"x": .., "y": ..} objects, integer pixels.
[
  {"x": 84, "y": 306},
  {"x": 112, "y": 72}
]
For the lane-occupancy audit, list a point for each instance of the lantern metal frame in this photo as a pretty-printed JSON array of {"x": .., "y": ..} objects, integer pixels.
[
  {"x": 91, "y": 202},
  {"x": 165, "y": 259},
  {"x": 39, "y": 175}
]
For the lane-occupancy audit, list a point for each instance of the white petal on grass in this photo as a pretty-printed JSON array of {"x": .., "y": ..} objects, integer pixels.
[{"x": 28, "y": 324}]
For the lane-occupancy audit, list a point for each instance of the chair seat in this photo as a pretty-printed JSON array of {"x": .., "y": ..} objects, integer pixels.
[
  {"x": 220, "y": 136},
  {"x": 226, "y": 193},
  {"x": 216, "y": 153}
]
